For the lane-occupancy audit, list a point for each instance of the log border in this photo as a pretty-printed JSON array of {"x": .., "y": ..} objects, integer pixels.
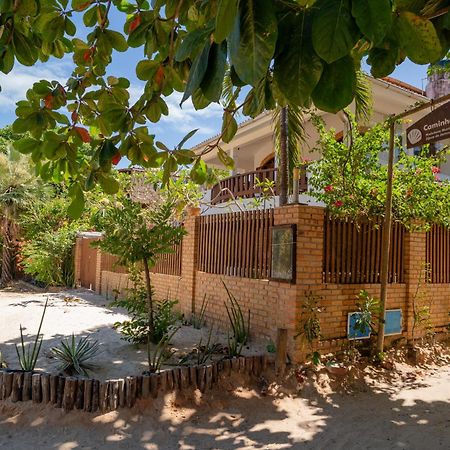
[{"x": 91, "y": 395}]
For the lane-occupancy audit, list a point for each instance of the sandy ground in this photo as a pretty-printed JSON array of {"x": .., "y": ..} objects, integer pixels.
[
  {"x": 85, "y": 314},
  {"x": 412, "y": 414}
]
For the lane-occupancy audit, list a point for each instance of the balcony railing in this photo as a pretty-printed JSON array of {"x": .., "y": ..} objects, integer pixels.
[{"x": 243, "y": 185}]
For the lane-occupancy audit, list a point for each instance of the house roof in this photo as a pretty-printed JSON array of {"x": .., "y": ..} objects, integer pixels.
[
  {"x": 403, "y": 85},
  {"x": 409, "y": 88}
]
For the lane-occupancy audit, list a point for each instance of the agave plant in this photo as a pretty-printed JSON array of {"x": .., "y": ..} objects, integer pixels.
[
  {"x": 74, "y": 356},
  {"x": 28, "y": 354}
]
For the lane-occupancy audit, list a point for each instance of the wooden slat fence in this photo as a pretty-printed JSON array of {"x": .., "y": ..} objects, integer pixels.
[
  {"x": 236, "y": 244},
  {"x": 109, "y": 263},
  {"x": 168, "y": 264},
  {"x": 438, "y": 254},
  {"x": 352, "y": 252}
]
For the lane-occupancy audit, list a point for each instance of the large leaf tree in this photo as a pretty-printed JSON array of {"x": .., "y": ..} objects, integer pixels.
[{"x": 294, "y": 52}]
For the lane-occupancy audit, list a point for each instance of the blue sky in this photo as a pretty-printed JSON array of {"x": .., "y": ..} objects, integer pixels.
[{"x": 170, "y": 129}]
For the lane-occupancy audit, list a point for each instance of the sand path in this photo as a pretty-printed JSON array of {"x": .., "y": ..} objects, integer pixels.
[{"x": 414, "y": 415}]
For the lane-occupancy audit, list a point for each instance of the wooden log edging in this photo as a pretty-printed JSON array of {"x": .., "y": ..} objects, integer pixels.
[{"x": 91, "y": 395}]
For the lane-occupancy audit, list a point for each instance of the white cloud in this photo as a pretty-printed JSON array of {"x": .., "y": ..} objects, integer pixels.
[{"x": 15, "y": 84}]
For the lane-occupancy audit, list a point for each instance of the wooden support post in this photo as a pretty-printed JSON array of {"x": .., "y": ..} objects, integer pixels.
[
  {"x": 70, "y": 390},
  {"x": 121, "y": 393},
  {"x": 26, "y": 389},
  {"x": 60, "y": 392},
  {"x": 146, "y": 386},
  {"x": 193, "y": 376},
  {"x": 201, "y": 378},
  {"x": 95, "y": 395},
  {"x": 386, "y": 241},
  {"x": 79, "y": 398},
  {"x": 154, "y": 383},
  {"x": 208, "y": 376},
  {"x": 45, "y": 387},
  {"x": 16, "y": 392},
  {"x": 36, "y": 391},
  {"x": 103, "y": 396},
  {"x": 1, "y": 384},
  {"x": 113, "y": 395},
  {"x": 53, "y": 388},
  {"x": 139, "y": 386},
  {"x": 87, "y": 394},
  {"x": 281, "y": 355},
  {"x": 184, "y": 377},
  {"x": 7, "y": 384}
]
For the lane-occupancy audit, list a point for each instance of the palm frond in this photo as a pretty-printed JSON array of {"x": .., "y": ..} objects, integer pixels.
[
  {"x": 296, "y": 134},
  {"x": 363, "y": 98}
]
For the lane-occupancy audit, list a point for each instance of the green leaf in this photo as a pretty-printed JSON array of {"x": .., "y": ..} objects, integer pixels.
[
  {"x": 226, "y": 15},
  {"x": 373, "y": 17},
  {"x": 253, "y": 39},
  {"x": 81, "y": 5},
  {"x": 334, "y": 32},
  {"x": 199, "y": 172},
  {"x": 382, "y": 61},
  {"x": 117, "y": 40},
  {"x": 192, "y": 43},
  {"x": 109, "y": 184},
  {"x": 297, "y": 69},
  {"x": 336, "y": 88},
  {"x": 27, "y": 8},
  {"x": 211, "y": 85},
  {"x": 146, "y": 69},
  {"x": 197, "y": 72},
  {"x": 418, "y": 38},
  {"x": 186, "y": 138},
  {"x": 76, "y": 207},
  {"x": 229, "y": 127},
  {"x": 26, "y": 145},
  {"x": 225, "y": 159},
  {"x": 107, "y": 151},
  {"x": 24, "y": 49}
]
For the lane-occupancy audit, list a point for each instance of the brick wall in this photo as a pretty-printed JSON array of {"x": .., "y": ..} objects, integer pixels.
[{"x": 276, "y": 304}]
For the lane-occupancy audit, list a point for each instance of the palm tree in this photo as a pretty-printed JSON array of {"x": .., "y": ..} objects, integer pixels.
[{"x": 17, "y": 185}]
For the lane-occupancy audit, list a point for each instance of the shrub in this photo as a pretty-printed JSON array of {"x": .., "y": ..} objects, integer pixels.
[
  {"x": 74, "y": 356},
  {"x": 137, "y": 328}
]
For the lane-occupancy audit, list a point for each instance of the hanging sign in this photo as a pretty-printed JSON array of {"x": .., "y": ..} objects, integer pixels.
[{"x": 434, "y": 127}]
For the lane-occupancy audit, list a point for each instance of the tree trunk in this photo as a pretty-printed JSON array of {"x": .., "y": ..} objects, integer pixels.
[
  {"x": 386, "y": 244},
  {"x": 283, "y": 171},
  {"x": 8, "y": 250},
  {"x": 151, "y": 326}
]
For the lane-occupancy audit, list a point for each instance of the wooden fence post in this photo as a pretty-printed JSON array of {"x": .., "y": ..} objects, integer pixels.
[{"x": 281, "y": 355}]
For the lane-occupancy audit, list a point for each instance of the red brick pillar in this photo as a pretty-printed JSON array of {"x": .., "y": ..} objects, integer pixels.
[
  {"x": 77, "y": 262},
  {"x": 98, "y": 272},
  {"x": 189, "y": 258},
  {"x": 309, "y": 253},
  {"x": 415, "y": 259}
]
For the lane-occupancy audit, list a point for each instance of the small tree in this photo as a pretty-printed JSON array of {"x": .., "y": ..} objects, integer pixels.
[{"x": 138, "y": 233}]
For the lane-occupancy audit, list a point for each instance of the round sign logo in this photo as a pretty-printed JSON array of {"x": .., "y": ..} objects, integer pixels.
[{"x": 414, "y": 136}]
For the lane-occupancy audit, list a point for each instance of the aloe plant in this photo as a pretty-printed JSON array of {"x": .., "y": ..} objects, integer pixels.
[
  {"x": 74, "y": 356},
  {"x": 198, "y": 320},
  {"x": 239, "y": 328},
  {"x": 28, "y": 354},
  {"x": 161, "y": 353}
]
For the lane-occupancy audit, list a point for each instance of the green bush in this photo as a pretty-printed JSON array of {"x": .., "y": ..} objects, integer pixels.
[
  {"x": 49, "y": 257},
  {"x": 136, "y": 329}
]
